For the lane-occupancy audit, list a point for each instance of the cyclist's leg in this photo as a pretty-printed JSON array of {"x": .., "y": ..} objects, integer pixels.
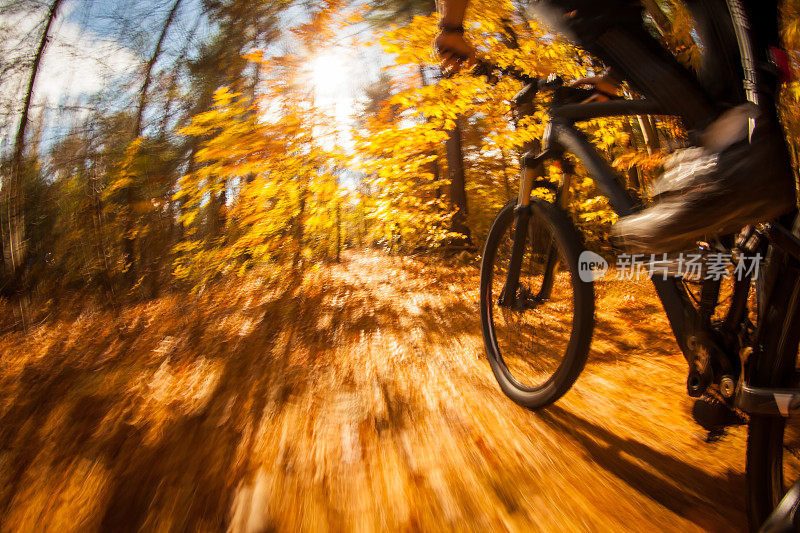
[
  {"x": 614, "y": 32},
  {"x": 717, "y": 190},
  {"x": 765, "y": 35},
  {"x": 736, "y": 179},
  {"x": 720, "y": 71}
]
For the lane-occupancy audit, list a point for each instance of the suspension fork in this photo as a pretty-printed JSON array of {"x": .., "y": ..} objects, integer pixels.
[
  {"x": 522, "y": 217},
  {"x": 562, "y": 201},
  {"x": 532, "y": 168}
]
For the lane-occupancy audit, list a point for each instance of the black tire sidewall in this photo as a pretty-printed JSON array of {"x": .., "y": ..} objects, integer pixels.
[{"x": 570, "y": 244}]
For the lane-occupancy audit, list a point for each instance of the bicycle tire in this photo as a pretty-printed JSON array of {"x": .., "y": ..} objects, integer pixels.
[
  {"x": 767, "y": 435},
  {"x": 566, "y": 240}
]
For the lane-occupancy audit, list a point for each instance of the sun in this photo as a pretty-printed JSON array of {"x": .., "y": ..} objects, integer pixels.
[
  {"x": 330, "y": 74},
  {"x": 334, "y": 79}
]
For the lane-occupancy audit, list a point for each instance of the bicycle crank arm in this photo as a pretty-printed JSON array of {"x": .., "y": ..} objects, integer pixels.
[{"x": 770, "y": 402}]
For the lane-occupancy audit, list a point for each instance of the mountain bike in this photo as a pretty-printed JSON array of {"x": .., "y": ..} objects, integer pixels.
[{"x": 537, "y": 311}]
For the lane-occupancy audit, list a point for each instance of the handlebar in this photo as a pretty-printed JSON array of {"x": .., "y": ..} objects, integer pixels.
[
  {"x": 532, "y": 84},
  {"x": 490, "y": 71}
]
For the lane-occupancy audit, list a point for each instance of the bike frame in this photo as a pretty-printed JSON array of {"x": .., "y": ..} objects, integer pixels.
[{"x": 565, "y": 137}]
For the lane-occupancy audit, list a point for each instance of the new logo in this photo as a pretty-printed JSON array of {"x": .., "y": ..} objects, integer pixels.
[{"x": 591, "y": 266}]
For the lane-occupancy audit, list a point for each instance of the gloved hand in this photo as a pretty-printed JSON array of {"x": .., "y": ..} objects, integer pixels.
[{"x": 454, "y": 51}]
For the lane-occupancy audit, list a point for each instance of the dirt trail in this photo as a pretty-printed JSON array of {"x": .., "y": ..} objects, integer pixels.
[{"x": 362, "y": 403}]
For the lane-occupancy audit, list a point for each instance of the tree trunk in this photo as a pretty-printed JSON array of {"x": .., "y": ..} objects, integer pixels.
[
  {"x": 433, "y": 166},
  {"x": 166, "y": 114},
  {"x": 217, "y": 212},
  {"x": 338, "y": 231},
  {"x": 506, "y": 183},
  {"x": 148, "y": 73},
  {"x": 457, "y": 189},
  {"x": 97, "y": 219},
  {"x": 15, "y": 192},
  {"x": 634, "y": 180},
  {"x": 649, "y": 134},
  {"x": 299, "y": 232},
  {"x": 128, "y": 232}
]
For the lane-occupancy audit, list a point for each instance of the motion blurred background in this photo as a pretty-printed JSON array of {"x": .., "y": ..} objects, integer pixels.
[{"x": 238, "y": 287}]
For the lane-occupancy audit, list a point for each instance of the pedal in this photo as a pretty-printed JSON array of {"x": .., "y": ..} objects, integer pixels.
[{"x": 727, "y": 387}]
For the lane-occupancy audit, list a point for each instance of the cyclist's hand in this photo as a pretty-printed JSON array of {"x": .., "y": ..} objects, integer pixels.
[
  {"x": 454, "y": 52},
  {"x": 605, "y": 83}
]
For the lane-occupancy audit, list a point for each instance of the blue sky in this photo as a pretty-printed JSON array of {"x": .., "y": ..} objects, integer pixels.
[
  {"x": 100, "y": 19},
  {"x": 137, "y": 24},
  {"x": 101, "y": 44}
]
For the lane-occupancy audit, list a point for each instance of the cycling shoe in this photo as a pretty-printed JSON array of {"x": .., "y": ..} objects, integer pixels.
[{"x": 705, "y": 193}]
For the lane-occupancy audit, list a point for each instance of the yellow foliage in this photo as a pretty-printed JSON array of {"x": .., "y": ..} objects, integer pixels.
[{"x": 268, "y": 178}]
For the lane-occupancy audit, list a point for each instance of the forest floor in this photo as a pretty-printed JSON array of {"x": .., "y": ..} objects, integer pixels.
[{"x": 361, "y": 402}]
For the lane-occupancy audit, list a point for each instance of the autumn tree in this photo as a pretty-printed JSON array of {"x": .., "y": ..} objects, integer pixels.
[
  {"x": 15, "y": 246},
  {"x": 208, "y": 160},
  {"x": 280, "y": 178}
]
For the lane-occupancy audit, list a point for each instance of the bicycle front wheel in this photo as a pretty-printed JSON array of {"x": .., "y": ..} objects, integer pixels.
[{"x": 537, "y": 345}]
